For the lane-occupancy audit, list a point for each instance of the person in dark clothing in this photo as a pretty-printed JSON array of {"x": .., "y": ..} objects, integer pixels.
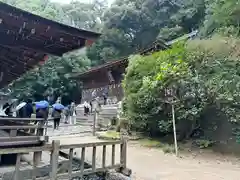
[
  {"x": 56, "y": 118},
  {"x": 5, "y": 105},
  {"x": 28, "y": 109},
  {"x": 41, "y": 113},
  {"x": 91, "y": 110}
]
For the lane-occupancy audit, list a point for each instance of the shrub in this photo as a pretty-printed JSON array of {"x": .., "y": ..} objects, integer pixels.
[{"x": 203, "y": 73}]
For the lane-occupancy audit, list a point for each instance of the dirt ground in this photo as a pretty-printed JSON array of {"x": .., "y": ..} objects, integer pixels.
[{"x": 153, "y": 164}]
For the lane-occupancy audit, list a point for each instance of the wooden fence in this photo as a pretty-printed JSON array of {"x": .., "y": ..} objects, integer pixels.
[
  {"x": 20, "y": 132},
  {"x": 55, "y": 148}
]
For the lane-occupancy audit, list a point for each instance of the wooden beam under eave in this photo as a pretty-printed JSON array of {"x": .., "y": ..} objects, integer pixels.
[{"x": 11, "y": 41}]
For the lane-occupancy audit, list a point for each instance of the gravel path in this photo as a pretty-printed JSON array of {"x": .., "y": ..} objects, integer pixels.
[{"x": 153, "y": 164}]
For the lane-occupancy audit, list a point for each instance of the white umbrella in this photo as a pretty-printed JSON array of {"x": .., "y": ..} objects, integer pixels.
[
  {"x": 21, "y": 105},
  {"x": 2, "y": 113}
]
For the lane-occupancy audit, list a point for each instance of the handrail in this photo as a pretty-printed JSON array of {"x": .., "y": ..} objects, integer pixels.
[
  {"x": 94, "y": 144},
  {"x": 20, "y": 119},
  {"x": 22, "y": 127}
]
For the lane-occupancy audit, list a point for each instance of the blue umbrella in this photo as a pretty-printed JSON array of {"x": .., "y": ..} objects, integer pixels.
[
  {"x": 58, "y": 106},
  {"x": 42, "y": 104}
]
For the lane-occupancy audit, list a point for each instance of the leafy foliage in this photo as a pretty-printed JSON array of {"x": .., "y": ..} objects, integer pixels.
[
  {"x": 130, "y": 26},
  {"x": 52, "y": 79},
  {"x": 222, "y": 16},
  {"x": 204, "y": 74}
]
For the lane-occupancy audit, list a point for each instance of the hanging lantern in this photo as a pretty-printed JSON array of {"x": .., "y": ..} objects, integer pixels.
[
  {"x": 88, "y": 42},
  {"x": 42, "y": 62}
]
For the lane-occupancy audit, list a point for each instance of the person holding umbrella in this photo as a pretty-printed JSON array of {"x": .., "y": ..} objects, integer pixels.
[
  {"x": 56, "y": 114},
  {"x": 42, "y": 109}
]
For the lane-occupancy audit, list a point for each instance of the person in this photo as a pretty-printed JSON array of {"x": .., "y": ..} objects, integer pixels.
[
  {"x": 67, "y": 114},
  {"x": 91, "y": 105},
  {"x": 86, "y": 108},
  {"x": 73, "y": 113},
  {"x": 105, "y": 95},
  {"x": 42, "y": 113},
  {"x": 28, "y": 109},
  {"x": 56, "y": 117}
]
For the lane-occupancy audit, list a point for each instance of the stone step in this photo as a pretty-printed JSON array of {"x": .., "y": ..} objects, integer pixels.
[{"x": 83, "y": 122}]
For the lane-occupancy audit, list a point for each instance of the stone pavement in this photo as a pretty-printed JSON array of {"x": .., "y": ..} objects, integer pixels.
[{"x": 66, "y": 129}]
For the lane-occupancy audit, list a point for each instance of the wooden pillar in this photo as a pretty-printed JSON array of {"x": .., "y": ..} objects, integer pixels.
[
  {"x": 54, "y": 159},
  {"x": 17, "y": 167},
  {"x": 94, "y": 122},
  {"x": 40, "y": 132},
  {"x": 123, "y": 157}
]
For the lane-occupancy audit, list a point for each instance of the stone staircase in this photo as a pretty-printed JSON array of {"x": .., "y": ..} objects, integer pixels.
[
  {"x": 84, "y": 124},
  {"x": 105, "y": 115},
  {"x": 85, "y": 120}
]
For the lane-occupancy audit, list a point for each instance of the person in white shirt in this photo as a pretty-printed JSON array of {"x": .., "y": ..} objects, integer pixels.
[
  {"x": 73, "y": 113},
  {"x": 87, "y": 107}
]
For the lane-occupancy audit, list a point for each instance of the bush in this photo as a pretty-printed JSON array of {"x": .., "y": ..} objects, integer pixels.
[{"x": 202, "y": 73}]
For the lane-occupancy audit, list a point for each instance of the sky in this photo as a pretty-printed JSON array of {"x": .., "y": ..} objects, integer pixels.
[{"x": 67, "y": 1}]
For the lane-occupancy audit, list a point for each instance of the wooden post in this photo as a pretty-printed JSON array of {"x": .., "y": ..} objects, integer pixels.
[
  {"x": 38, "y": 155},
  {"x": 40, "y": 133},
  {"x": 13, "y": 133},
  {"x": 104, "y": 157},
  {"x": 174, "y": 130},
  {"x": 54, "y": 159},
  {"x": 94, "y": 158},
  {"x": 113, "y": 154},
  {"x": 94, "y": 122},
  {"x": 123, "y": 158},
  {"x": 35, "y": 163},
  {"x": 70, "y": 163},
  {"x": 82, "y": 161},
  {"x": 17, "y": 167}
]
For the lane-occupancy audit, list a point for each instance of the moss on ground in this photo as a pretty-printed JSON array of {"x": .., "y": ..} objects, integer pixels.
[
  {"x": 109, "y": 135},
  {"x": 151, "y": 143}
]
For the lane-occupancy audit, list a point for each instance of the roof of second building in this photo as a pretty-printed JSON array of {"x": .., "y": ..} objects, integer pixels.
[
  {"x": 124, "y": 60},
  {"x": 157, "y": 45}
]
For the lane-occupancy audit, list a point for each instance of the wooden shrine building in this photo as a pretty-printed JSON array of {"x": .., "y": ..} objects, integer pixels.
[
  {"x": 107, "y": 78},
  {"x": 27, "y": 39}
]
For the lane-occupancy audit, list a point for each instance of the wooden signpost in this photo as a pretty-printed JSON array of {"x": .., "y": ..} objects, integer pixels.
[{"x": 172, "y": 100}]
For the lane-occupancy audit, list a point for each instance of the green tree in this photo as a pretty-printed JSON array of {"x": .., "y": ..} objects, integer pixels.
[
  {"x": 205, "y": 75},
  {"x": 222, "y": 16},
  {"x": 130, "y": 26}
]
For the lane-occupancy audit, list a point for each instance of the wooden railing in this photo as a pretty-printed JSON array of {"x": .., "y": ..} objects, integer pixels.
[
  {"x": 20, "y": 131},
  {"x": 55, "y": 148}
]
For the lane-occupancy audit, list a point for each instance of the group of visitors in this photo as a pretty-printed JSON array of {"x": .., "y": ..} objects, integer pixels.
[
  {"x": 41, "y": 109},
  {"x": 70, "y": 114}
]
